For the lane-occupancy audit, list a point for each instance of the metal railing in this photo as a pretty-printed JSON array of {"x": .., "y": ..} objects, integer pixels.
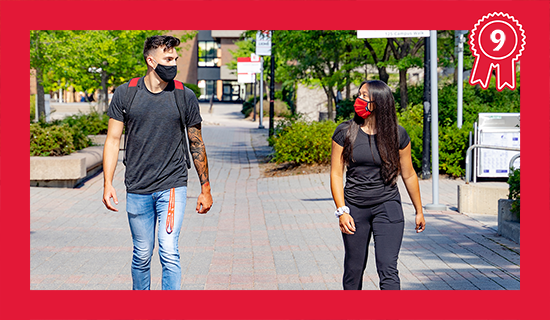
[{"x": 476, "y": 146}]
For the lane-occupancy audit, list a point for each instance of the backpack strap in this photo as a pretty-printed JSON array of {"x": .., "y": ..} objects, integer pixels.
[
  {"x": 133, "y": 87},
  {"x": 179, "y": 94}
]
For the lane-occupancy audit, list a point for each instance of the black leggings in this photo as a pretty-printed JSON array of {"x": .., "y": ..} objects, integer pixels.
[{"x": 386, "y": 222}]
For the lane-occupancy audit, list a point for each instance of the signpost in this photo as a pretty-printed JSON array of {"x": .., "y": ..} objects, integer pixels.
[
  {"x": 246, "y": 73},
  {"x": 263, "y": 48},
  {"x": 459, "y": 48},
  {"x": 435, "y": 205}
]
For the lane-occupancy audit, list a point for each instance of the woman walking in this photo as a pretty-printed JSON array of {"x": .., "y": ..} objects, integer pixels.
[{"x": 375, "y": 151}]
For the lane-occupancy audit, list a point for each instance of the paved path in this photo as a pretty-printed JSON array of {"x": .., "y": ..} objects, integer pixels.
[{"x": 262, "y": 233}]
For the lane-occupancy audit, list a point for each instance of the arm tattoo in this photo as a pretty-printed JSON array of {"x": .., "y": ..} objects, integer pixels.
[{"x": 198, "y": 152}]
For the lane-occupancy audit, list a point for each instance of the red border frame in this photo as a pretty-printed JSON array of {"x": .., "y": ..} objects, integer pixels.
[{"x": 18, "y": 17}]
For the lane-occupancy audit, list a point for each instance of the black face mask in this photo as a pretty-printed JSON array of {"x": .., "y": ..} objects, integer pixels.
[{"x": 166, "y": 73}]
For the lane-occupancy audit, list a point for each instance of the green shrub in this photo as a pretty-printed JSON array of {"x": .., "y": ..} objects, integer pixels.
[
  {"x": 248, "y": 105},
  {"x": 412, "y": 120},
  {"x": 415, "y": 95},
  {"x": 453, "y": 143},
  {"x": 194, "y": 87},
  {"x": 345, "y": 109},
  {"x": 304, "y": 143},
  {"x": 514, "y": 190},
  {"x": 76, "y": 129},
  {"x": 88, "y": 124},
  {"x": 283, "y": 123},
  {"x": 51, "y": 140},
  {"x": 33, "y": 107}
]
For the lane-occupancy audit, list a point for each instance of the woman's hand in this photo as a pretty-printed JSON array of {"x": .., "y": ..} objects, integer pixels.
[
  {"x": 420, "y": 222},
  {"x": 347, "y": 225}
]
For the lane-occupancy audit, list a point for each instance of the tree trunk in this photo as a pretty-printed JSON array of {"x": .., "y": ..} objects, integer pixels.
[
  {"x": 105, "y": 103},
  {"x": 403, "y": 88},
  {"x": 348, "y": 85},
  {"x": 383, "y": 74},
  {"x": 330, "y": 100},
  {"x": 40, "y": 95}
]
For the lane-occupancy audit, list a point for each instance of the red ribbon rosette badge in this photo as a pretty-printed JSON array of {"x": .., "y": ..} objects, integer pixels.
[{"x": 497, "y": 42}]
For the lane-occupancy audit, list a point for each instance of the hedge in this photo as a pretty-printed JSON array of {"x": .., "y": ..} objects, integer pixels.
[
  {"x": 61, "y": 137},
  {"x": 51, "y": 140},
  {"x": 303, "y": 142}
]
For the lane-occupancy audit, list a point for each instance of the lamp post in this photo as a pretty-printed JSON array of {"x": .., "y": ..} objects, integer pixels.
[
  {"x": 435, "y": 205},
  {"x": 426, "y": 174},
  {"x": 272, "y": 89}
]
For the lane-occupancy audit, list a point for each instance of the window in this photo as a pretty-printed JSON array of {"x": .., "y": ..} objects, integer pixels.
[
  {"x": 208, "y": 54},
  {"x": 231, "y": 91},
  {"x": 208, "y": 89}
]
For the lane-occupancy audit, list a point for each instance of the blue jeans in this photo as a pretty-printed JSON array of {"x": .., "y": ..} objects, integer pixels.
[{"x": 144, "y": 211}]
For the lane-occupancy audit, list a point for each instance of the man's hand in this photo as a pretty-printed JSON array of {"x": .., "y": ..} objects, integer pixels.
[
  {"x": 204, "y": 202},
  {"x": 108, "y": 193}
]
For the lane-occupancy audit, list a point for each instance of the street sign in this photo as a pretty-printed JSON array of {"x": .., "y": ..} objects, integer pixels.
[
  {"x": 392, "y": 33},
  {"x": 263, "y": 42},
  {"x": 246, "y": 65},
  {"x": 247, "y": 68},
  {"x": 246, "y": 77}
]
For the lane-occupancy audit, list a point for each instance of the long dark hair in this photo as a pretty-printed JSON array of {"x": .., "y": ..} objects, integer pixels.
[{"x": 386, "y": 130}]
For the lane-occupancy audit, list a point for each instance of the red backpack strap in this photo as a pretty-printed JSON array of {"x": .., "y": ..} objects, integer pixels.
[
  {"x": 178, "y": 85},
  {"x": 133, "y": 82}
]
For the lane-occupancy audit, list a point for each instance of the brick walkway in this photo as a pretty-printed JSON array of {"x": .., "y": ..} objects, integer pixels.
[{"x": 262, "y": 233}]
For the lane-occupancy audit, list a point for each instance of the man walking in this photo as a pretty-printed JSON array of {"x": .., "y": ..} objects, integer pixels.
[{"x": 156, "y": 170}]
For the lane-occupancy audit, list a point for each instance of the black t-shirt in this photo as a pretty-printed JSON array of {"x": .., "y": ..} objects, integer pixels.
[
  {"x": 364, "y": 183},
  {"x": 154, "y": 152}
]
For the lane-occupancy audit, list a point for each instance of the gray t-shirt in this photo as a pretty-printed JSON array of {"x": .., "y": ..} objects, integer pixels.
[
  {"x": 154, "y": 152},
  {"x": 364, "y": 183}
]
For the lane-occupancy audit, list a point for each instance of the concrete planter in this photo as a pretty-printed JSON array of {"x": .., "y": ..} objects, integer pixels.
[
  {"x": 508, "y": 222},
  {"x": 481, "y": 198},
  {"x": 66, "y": 171}
]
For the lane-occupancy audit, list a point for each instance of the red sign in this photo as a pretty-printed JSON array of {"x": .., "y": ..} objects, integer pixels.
[
  {"x": 247, "y": 65},
  {"x": 497, "y": 42}
]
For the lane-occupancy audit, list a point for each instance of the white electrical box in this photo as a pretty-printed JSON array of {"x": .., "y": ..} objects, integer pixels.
[{"x": 497, "y": 129}]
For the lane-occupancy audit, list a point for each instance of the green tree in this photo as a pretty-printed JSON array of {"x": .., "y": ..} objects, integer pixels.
[
  {"x": 90, "y": 59},
  {"x": 322, "y": 57},
  {"x": 381, "y": 54},
  {"x": 406, "y": 52},
  {"x": 46, "y": 57}
]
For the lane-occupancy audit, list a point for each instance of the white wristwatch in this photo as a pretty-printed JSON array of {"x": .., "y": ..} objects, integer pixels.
[{"x": 340, "y": 211}]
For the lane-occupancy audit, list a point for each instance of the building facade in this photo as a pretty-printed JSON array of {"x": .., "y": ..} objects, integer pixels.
[{"x": 203, "y": 61}]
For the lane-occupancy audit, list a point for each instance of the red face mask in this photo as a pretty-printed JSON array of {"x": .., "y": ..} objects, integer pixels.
[{"x": 362, "y": 108}]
